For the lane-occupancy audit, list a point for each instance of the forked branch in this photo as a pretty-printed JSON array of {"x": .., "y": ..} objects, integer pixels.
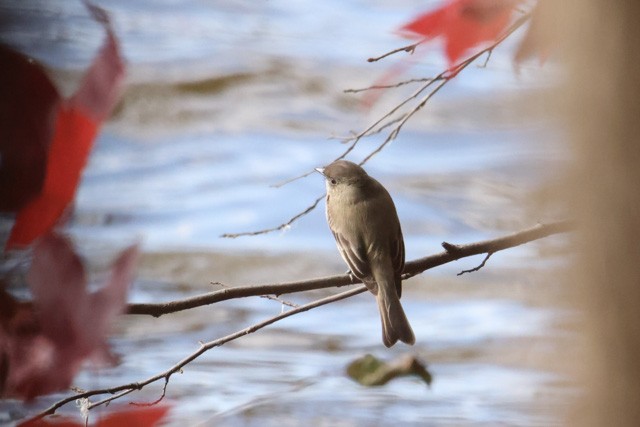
[
  {"x": 397, "y": 116},
  {"x": 412, "y": 268}
]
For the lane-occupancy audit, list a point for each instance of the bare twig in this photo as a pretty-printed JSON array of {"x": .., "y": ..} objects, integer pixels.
[
  {"x": 269, "y": 297},
  {"x": 486, "y": 60},
  {"x": 306, "y": 174},
  {"x": 409, "y": 48},
  {"x": 396, "y": 130},
  {"x": 389, "y": 86},
  {"x": 110, "y": 398},
  {"x": 455, "y": 252},
  {"x": 525, "y": 15},
  {"x": 155, "y": 402},
  {"x": 412, "y": 268},
  {"x": 289, "y": 180},
  {"x": 279, "y": 227},
  {"x": 444, "y": 77},
  {"x": 280, "y": 300},
  {"x": 482, "y": 264}
]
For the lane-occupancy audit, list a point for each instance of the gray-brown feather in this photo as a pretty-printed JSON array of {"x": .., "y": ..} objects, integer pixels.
[{"x": 356, "y": 205}]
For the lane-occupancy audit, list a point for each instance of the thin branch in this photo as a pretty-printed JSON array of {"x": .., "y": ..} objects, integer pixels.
[
  {"x": 412, "y": 268},
  {"x": 494, "y": 245},
  {"x": 306, "y": 174},
  {"x": 290, "y": 180},
  {"x": 482, "y": 264},
  {"x": 159, "y": 309},
  {"x": 396, "y": 131},
  {"x": 269, "y": 297},
  {"x": 144, "y": 404},
  {"x": 390, "y": 86},
  {"x": 486, "y": 60},
  {"x": 280, "y": 300},
  {"x": 526, "y": 15},
  {"x": 122, "y": 390},
  {"x": 391, "y": 112},
  {"x": 279, "y": 227},
  {"x": 444, "y": 77},
  {"x": 371, "y": 131},
  {"x": 409, "y": 48},
  {"x": 116, "y": 396}
]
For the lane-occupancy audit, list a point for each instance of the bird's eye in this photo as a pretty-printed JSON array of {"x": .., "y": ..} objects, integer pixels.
[{"x": 333, "y": 181}]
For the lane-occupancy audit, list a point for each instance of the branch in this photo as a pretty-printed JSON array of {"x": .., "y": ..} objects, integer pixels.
[
  {"x": 159, "y": 309},
  {"x": 444, "y": 78},
  {"x": 526, "y": 15},
  {"x": 382, "y": 123},
  {"x": 482, "y": 264},
  {"x": 125, "y": 389},
  {"x": 452, "y": 252},
  {"x": 409, "y": 49},
  {"x": 455, "y": 252},
  {"x": 389, "y": 86},
  {"x": 279, "y": 227},
  {"x": 412, "y": 268}
]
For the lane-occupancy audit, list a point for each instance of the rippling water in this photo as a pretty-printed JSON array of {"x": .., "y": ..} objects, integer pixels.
[{"x": 225, "y": 99}]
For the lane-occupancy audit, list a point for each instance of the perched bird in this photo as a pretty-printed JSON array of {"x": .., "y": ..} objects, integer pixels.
[{"x": 364, "y": 222}]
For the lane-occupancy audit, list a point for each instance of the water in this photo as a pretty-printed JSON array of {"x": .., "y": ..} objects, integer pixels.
[{"x": 226, "y": 99}]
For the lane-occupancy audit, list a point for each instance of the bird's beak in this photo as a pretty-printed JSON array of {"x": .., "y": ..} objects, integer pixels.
[{"x": 321, "y": 170}]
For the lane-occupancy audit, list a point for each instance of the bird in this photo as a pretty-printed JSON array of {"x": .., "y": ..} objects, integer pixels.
[{"x": 364, "y": 222}]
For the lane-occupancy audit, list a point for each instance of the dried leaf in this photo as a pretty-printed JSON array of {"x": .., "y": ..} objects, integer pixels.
[{"x": 371, "y": 371}]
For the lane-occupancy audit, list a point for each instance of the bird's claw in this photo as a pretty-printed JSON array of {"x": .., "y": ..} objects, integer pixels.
[{"x": 352, "y": 277}]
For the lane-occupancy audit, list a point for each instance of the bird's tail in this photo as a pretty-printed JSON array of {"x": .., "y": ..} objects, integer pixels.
[{"x": 395, "y": 325}]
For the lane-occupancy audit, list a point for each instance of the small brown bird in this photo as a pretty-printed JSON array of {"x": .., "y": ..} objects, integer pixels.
[{"x": 364, "y": 222}]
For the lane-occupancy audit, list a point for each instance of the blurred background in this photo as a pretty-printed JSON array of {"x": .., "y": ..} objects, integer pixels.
[{"x": 225, "y": 99}]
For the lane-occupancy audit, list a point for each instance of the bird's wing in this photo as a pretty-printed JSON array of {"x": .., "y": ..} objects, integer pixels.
[
  {"x": 397, "y": 257},
  {"x": 354, "y": 256}
]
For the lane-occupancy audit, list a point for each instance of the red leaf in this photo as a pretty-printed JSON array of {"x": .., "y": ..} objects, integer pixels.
[
  {"x": 27, "y": 112},
  {"x": 77, "y": 124},
  {"x": 139, "y": 417},
  {"x": 45, "y": 347},
  {"x": 72, "y": 142},
  {"x": 463, "y": 24}
]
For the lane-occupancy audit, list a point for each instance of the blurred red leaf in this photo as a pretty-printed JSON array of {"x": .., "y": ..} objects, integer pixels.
[
  {"x": 72, "y": 143},
  {"x": 77, "y": 123},
  {"x": 148, "y": 416},
  {"x": 27, "y": 113},
  {"x": 15, "y": 319},
  {"x": 44, "y": 347},
  {"x": 463, "y": 24}
]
